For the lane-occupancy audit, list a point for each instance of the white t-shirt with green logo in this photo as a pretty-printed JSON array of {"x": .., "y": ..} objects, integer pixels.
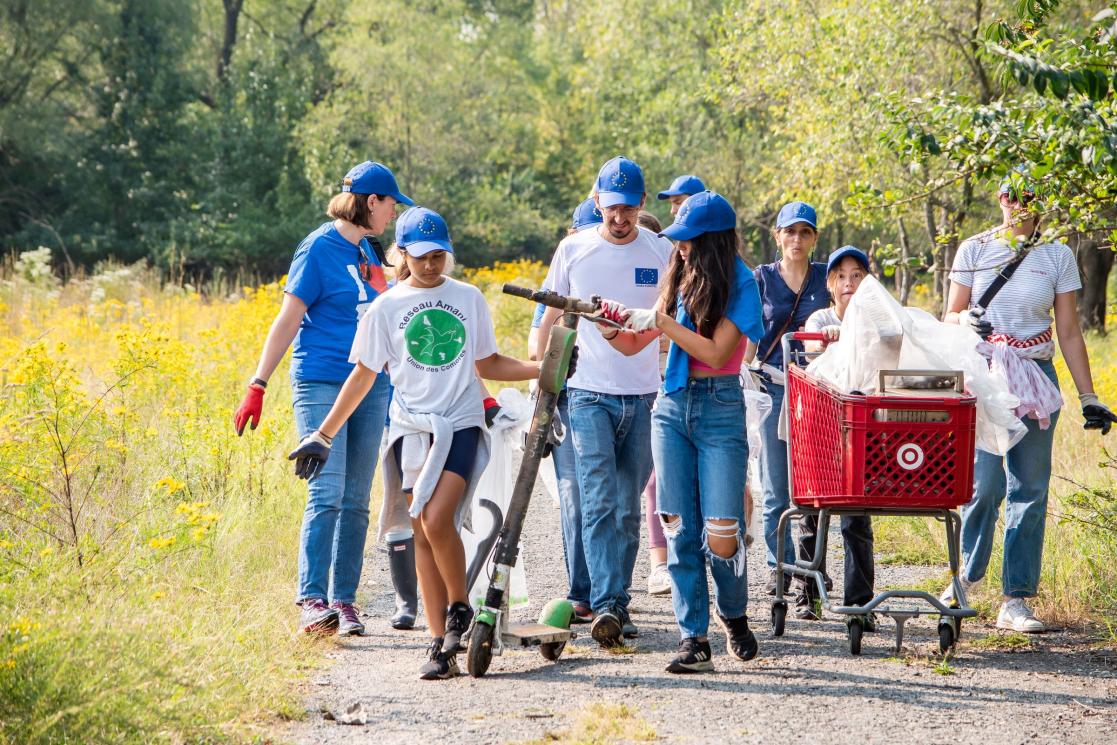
[{"x": 430, "y": 339}]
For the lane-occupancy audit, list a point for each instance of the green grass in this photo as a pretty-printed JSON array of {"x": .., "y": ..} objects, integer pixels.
[{"x": 601, "y": 724}]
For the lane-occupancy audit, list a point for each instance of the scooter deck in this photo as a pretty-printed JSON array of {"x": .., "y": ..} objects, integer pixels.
[{"x": 530, "y": 634}]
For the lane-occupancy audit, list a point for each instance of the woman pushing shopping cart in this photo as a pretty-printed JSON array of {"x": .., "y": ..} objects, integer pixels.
[{"x": 898, "y": 452}]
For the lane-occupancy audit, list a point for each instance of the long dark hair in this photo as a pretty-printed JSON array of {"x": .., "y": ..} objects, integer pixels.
[{"x": 704, "y": 280}]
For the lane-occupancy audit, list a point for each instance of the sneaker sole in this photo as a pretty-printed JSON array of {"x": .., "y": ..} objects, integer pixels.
[
  {"x": 659, "y": 592},
  {"x": 682, "y": 668},
  {"x": 607, "y": 637},
  {"x": 729, "y": 644},
  {"x": 581, "y": 619},
  {"x": 1012, "y": 627},
  {"x": 351, "y": 631},
  {"x": 325, "y": 626}
]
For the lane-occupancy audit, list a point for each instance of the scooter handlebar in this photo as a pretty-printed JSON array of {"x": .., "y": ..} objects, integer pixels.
[{"x": 554, "y": 300}]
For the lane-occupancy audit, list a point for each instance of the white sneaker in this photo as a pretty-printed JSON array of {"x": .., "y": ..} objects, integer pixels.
[
  {"x": 1015, "y": 615},
  {"x": 947, "y": 596},
  {"x": 659, "y": 580}
]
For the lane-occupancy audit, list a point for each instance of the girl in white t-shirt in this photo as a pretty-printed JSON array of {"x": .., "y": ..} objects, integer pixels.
[
  {"x": 434, "y": 336},
  {"x": 845, "y": 269},
  {"x": 1019, "y": 317}
]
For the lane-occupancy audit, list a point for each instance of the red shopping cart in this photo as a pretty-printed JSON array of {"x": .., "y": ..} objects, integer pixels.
[{"x": 899, "y": 452}]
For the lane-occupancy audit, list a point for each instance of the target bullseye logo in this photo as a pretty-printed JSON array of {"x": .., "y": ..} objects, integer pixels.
[{"x": 910, "y": 456}]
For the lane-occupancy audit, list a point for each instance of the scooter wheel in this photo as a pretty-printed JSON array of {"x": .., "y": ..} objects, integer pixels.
[
  {"x": 480, "y": 649},
  {"x": 779, "y": 615},
  {"x": 552, "y": 650}
]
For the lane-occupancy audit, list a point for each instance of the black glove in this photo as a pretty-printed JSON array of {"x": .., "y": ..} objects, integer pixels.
[
  {"x": 573, "y": 362},
  {"x": 490, "y": 412},
  {"x": 1096, "y": 414},
  {"x": 977, "y": 321},
  {"x": 311, "y": 454}
]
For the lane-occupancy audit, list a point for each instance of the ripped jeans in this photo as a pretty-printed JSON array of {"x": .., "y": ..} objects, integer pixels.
[{"x": 701, "y": 457}]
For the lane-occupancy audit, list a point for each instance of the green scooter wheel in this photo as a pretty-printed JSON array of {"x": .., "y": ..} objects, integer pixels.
[
  {"x": 480, "y": 649},
  {"x": 557, "y": 613}
]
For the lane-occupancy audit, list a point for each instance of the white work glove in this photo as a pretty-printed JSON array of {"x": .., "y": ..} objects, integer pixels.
[
  {"x": 831, "y": 332},
  {"x": 640, "y": 319},
  {"x": 612, "y": 310}
]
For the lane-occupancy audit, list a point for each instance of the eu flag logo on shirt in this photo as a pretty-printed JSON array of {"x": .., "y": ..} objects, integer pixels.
[{"x": 647, "y": 277}]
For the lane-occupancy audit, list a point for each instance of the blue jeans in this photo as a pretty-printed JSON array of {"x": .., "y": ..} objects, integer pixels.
[
  {"x": 335, "y": 521},
  {"x": 701, "y": 456},
  {"x": 612, "y": 436},
  {"x": 773, "y": 477},
  {"x": 570, "y": 510},
  {"x": 1021, "y": 476}
]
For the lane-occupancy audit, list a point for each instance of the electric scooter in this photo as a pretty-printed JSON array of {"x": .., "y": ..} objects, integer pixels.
[{"x": 491, "y": 631}]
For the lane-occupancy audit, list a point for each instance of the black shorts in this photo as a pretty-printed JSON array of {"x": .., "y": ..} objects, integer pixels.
[{"x": 463, "y": 451}]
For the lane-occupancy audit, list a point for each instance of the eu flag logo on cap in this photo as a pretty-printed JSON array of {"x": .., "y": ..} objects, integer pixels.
[{"x": 646, "y": 277}]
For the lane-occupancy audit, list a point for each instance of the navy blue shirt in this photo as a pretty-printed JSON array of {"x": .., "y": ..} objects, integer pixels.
[
  {"x": 326, "y": 275},
  {"x": 777, "y": 299}
]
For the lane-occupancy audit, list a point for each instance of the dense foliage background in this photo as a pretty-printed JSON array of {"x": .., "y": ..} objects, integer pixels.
[{"x": 207, "y": 136}]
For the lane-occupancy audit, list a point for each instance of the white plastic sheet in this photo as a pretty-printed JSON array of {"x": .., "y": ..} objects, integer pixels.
[
  {"x": 494, "y": 492},
  {"x": 758, "y": 407},
  {"x": 880, "y": 334}
]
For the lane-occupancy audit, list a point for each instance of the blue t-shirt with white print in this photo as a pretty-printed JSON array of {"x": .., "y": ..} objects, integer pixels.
[
  {"x": 777, "y": 299},
  {"x": 326, "y": 275}
]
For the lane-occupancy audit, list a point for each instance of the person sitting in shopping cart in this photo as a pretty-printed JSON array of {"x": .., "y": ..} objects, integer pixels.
[
  {"x": 709, "y": 307},
  {"x": 1017, "y": 313},
  {"x": 845, "y": 269}
]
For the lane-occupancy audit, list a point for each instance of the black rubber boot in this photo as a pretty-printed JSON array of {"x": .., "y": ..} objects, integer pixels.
[{"x": 401, "y": 560}]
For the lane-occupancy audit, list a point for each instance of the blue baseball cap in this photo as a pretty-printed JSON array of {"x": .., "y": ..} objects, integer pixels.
[
  {"x": 705, "y": 212},
  {"x": 374, "y": 178},
  {"x": 685, "y": 184},
  {"x": 837, "y": 256},
  {"x": 585, "y": 215},
  {"x": 420, "y": 231},
  {"x": 620, "y": 181},
  {"x": 794, "y": 212}
]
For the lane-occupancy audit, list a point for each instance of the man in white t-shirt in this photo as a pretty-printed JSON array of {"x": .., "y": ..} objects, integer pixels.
[{"x": 611, "y": 395}]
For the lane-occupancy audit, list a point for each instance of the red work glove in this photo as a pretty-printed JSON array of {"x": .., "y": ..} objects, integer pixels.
[
  {"x": 492, "y": 408},
  {"x": 613, "y": 311},
  {"x": 250, "y": 408}
]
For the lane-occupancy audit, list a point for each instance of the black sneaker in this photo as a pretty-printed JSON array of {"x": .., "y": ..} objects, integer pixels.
[
  {"x": 582, "y": 612},
  {"x": 808, "y": 608},
  {"x": 458, "y": 618},
  {"x": 740, "y": 642},
  {"x": 439, "y": 665},
  {"x": 629, "y": 630},
  {"x": 607, "y": 628},
  {"x": 868, "y": 622},
  {"x": 773, "y": 577},
  {"x": 693, "y": 657},
  {"x": 317, "y": 617}
]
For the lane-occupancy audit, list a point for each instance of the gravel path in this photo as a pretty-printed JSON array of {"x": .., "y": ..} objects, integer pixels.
[{"x": 804, "y": 687}]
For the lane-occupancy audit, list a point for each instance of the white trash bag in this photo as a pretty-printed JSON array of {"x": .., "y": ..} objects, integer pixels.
[
  {"x": 880, "y": 334},
  {"x": 494, "y": 492}
]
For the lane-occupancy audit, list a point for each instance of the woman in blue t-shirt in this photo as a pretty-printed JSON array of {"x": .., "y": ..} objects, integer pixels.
[
  {"x": 334, "y": 276},
  {"x": 708, "y": 307},
  {"x": 791, "y": 289}
]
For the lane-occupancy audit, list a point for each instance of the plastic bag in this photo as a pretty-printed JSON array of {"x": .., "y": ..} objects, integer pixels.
[
  {"x": 494, "y": 492},
  {"x": 880, "y": 334},
  {"x": 758, "y": 407}
]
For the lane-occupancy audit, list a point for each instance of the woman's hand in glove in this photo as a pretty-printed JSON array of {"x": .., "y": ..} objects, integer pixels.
[
  {"x": 1096, "y": 414},
  {"x": 613, "y": 311},
  {"x": 640, "y": 319},
  {"x": 974, "y": 319},
  {"x": 311, "y": 454},
  {"x": 251, "y": 407},
  {"x": 831, "y": 333}
]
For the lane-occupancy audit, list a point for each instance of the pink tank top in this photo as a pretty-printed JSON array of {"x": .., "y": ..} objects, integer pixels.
[{"x": 732, "y": 367}]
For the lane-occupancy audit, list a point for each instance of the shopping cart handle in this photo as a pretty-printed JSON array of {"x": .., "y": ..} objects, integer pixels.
[{"x": 808, "y": 336}]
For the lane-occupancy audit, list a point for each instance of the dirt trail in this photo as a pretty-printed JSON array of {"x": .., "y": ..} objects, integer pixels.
[{"x": 804, "y": 687}]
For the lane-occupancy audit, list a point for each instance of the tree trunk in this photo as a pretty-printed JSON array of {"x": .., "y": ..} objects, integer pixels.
[
  {"x": 232, "y": 15},
  {"x": 1094, "y": 263},
  {"x": 903, "y": 273}
]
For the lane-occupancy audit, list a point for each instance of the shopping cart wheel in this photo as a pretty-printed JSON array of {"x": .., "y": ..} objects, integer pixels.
[
  {"x": 855, "y": 628},
  {"x": 779, "y": 615},
  {"x": 947, "y": 637}
]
